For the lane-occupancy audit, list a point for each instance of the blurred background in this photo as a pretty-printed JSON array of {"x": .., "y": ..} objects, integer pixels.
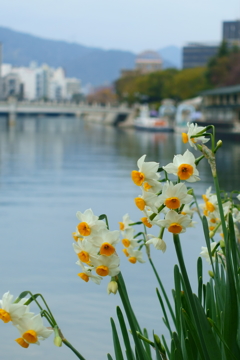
[{"x": 86, "y": 88}]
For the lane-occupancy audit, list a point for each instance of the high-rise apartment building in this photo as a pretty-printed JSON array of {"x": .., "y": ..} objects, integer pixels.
[
  {"x": 198, "y": 54},
  {"x": 231, "y": 32}
]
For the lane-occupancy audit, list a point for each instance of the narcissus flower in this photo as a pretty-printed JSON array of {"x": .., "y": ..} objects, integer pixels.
[
  {"x": 89, "y": 223},
  {"x": 194, "y": 129},
  {"x": 84, "y": 249},
  {"x": 124, "y": 224},
  {"x": 148, "y": 199},
  {"x": 135, "y": 255},
  {"x": 238, "y": 197},
  {"x": 10, "y": 311},
  {"x": 87, "y": 274},
  {"x": 158, "y": 243},
  {"x": 204, "y": 253},
  {"x": 186, "y": 210},
  {"x": 106, "y": 265},
  {"x": 147, "y": 172},
  {"x": 184, "y": 167},
  {"x": 173, "y": 196},
  {"x": 153, "y": 186},
  {"x": 176, "y": 223},
  {"x": 129, "y": 240},
  {"x": 32, "y": 330},
  {"x": 106, "y": 241}
]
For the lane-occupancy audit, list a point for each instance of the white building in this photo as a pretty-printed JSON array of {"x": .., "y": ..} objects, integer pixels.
[{"x": 42, "y": 82}]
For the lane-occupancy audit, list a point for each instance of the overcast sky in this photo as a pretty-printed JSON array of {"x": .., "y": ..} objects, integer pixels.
[{"x": 133, "y": 25}]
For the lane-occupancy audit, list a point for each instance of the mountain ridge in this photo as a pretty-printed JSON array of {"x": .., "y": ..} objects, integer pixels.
[{"x": 90, "y": 64}]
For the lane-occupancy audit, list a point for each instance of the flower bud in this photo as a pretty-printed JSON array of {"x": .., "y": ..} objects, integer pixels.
[
  {"x": 211, "y": 234},
  {"x": 210, "y": 273},
  {"x": 57, "y": 339},
  {"x": 112, "y": 287},
  {"x": 219, "y": 143},
  {"x": 222, "y": 244}
]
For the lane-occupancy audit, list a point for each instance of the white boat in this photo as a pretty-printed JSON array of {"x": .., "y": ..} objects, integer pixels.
[{"x": 151, "y": 121}]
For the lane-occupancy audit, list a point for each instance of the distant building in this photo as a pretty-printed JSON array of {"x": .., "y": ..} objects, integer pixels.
[
  {"x": 1, "y": 89},
  {"x": 221, "y": 107},
  {"x": 148, "y": 61},
  {"x": 37, "y": 83},
  {"x": 231, "y": 32},
  {"x": 198, "y": 54}
]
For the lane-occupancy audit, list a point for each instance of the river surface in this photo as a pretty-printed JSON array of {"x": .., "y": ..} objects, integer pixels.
[{"x": 49, "y": 169}]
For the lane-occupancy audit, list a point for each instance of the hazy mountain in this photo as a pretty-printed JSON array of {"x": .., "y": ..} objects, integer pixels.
[
  {"x": 171, "y": 55},
  {"x": 91, "y": 65}
]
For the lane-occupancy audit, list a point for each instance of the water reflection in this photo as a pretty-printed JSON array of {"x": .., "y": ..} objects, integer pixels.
[{"x": 49, "y": 169}]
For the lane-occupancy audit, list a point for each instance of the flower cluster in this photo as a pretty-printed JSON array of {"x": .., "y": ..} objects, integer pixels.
[
  {"x": 29, "y": 325},
  {"x": 210, "y": 209},
  {"x": 95, "y": 246},
  {"x": 164, "y": 197}
]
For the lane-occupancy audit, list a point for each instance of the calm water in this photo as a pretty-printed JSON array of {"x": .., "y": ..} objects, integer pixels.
[{"x": 49, "y": 169}]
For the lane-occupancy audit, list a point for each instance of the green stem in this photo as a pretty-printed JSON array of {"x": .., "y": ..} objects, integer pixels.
[
  {"x": 220, "y": 207},
  {"x": 67, "y": 343}
]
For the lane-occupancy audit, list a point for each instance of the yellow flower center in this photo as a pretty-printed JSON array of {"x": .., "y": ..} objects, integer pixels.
[
  {"x": 211, "y": 228},
  {"x": 102, "y": 270},
  {"x": 146, "y": 186},
  {"x": 5, "y": 316},
  {"x": 125, "y": 252},
  {"x": 84, "y": 229},
  {"x": 175, "y": 228},
  {"x": 205, "y": 198},
  {"x": 83, "y": 256},
  {"x": 184, "y": 138},
  {"x": 107, "y": 249},
  {"x": 84, "y": 277},
  {"x": 172, "y": 203},
  {"x": 137, "y": 177},
  {"x": 132, "y": 260},
  {"x": 183, "y": 213},
  {"x": 146, "y": 222},
  {"x": 126, "y": 242},
  {"x": 121, "y": 225},
  {"x": 210, "y": 206},
  {"x": 140, "y": 203},
  {"x": 30, "y": 336},
  {"x": 185, "y": 171},
  {"x": 213, "y": 220},
  {"x": 205, "y": 212},
  {"x": 74, "y": 235},
  {"x": 22, "y": 343}
]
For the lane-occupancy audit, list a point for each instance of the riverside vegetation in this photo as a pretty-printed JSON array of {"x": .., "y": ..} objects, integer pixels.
[{"x": 202, "y": 326}]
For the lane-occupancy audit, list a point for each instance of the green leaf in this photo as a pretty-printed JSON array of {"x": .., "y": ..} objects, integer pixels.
[
  {"x": 178, "y": 350},
  {"x": 131, "y": 318},
  {"x": 158, "y": 356},
  {"x": 200, "y": 277},
  {"x": 116, "y": 342},
  {"x": 124, "y": 334},
  {"x": 209, "y": 339},
  {"x": 109, "y": 357},
  {"x": 164, "y": 312}
]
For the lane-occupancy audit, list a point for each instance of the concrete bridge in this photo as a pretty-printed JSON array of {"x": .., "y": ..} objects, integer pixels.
[{"x": 113, "y": 115}]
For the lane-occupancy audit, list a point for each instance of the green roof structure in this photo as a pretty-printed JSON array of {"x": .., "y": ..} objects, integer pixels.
[{"x": 222, "y": 90}]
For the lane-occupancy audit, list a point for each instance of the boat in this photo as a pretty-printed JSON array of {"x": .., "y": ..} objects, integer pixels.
[{"x": 151, "y": 121}]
